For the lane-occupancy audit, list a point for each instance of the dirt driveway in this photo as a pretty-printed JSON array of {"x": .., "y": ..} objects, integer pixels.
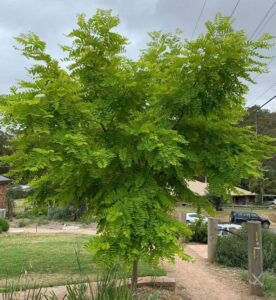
[{"x": 205, "y": 281}]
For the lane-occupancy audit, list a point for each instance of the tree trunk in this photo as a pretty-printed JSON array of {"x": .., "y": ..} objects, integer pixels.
[
  {"x": 10, "y": 209},
  {"x": 134, "y": 277}
]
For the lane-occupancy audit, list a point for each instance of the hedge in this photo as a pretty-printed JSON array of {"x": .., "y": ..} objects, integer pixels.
[{"x": 232, "y": 250}]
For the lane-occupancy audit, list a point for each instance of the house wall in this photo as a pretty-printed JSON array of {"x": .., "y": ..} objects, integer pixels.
[{"x": 243, "y": 199}]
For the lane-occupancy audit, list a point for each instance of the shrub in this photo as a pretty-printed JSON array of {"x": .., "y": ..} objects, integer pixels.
[
  {"x": 269, "y": 283},
  {"x": 68, "y": 213},
  {"x": 4, "y": 225},
  {"x": 24, "y": 215},
  {"x": 232, "y": 250},
  {"x": 22, "y": 223},
  {"x": 42, "y": 221},
  {"x": 199, "y": 231}
]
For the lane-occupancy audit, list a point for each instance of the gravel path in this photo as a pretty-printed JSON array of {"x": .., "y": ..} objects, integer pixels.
[{"x": 205, "y": 281}]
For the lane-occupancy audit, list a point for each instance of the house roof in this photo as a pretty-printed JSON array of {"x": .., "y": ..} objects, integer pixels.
[
  {"x": 4, "y": 179},
  {"x": 201, "y": 188}
]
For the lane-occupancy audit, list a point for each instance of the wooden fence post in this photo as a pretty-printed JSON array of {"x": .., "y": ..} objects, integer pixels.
[
  {"x": 212, "y": 238},
  {"x": 255, "y": 258},
  {"x": 182, "y": 219}
]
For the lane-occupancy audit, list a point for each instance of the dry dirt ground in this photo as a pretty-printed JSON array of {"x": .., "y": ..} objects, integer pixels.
[
  {"x": 56, "y": 227},
  {"x": 201, "y": 280}
]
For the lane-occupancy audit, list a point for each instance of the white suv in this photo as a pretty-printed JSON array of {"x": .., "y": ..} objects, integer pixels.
[{"x": 193, "y": 217}]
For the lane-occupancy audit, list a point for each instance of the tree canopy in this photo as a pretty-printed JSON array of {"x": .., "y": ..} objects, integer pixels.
[
  {"x": 266, "y": 124},
  {"x": 123, "y": 136}
]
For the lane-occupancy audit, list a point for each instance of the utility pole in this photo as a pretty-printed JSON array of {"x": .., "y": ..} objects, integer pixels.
[{"x": 256, "y": 122}]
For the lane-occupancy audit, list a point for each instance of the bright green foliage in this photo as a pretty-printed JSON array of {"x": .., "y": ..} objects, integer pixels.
[{"x": 122, "y": 136}]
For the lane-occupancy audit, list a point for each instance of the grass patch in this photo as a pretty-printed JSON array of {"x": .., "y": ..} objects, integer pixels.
[{"x": 51, "y": 259}]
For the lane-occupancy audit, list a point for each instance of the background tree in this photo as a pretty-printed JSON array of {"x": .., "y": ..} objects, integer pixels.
[
  {"x": 266, "y": 125},
  {"x": 15, "y": 192},
  {"x": 4, "y": 150},
  {"x": 216, "y": 201},
  {"x": 123, "y": 135}
]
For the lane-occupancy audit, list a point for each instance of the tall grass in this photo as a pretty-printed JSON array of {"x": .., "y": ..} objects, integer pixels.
[
  {"x": 111, "y": 284},
  {"x": 23, "y": 288}
]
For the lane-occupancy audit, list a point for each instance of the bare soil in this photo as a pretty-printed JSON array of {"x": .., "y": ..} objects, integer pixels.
[
  {"x": 55, "y": 227},
  {"x": 204, "y": 281},
  {"x": 179, "y": 294}
]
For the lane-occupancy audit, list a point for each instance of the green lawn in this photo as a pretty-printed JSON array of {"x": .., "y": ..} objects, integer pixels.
[{"x": 51, "y": 259}]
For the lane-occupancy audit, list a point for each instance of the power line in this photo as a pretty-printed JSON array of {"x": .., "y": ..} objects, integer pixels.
[
  {"x": 272, "y": 15},
  {"x": 262, "y": 21},
  {"x": 260, "y": 107},
  {"x": 234, "y": 9},
  {"x": 260, "y": 96},
  {"x": 199, "y": 17},
  {"x": 267, "y": 90}
]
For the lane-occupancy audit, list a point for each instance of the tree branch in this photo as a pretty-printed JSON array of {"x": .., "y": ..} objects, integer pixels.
[
  {"x": 179, "y": 118},
  {"x": 104, "y": 129}
]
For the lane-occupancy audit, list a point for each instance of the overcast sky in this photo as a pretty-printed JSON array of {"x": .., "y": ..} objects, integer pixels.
[{"x": 52, "y": 19}]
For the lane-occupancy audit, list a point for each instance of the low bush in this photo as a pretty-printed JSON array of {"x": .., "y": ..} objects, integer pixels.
[
  {"x": 22, "y": 223},
  {"x": 42, "y": 221},
  {"x": 4, "y": 225},
  {"x": 24, "y": 215},
  {"x": 232, "y": 250},
  {"x": 199, "y": 231},
  {"x": 269, "y": 283},
  {"x": 68, "y": 213},
  {"x": 39, "y": 220}
]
